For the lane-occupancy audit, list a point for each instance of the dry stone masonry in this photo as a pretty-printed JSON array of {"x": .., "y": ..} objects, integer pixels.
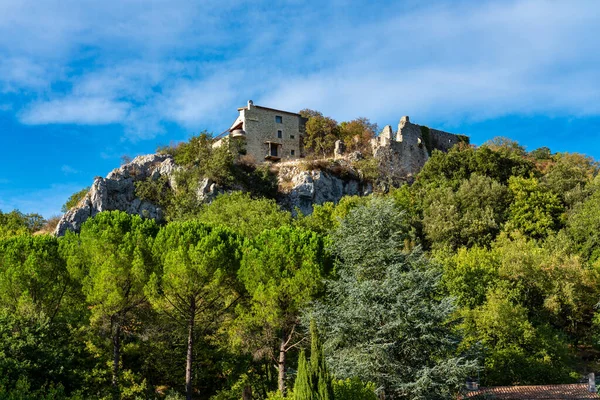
[{"x": 403, "y": 153}]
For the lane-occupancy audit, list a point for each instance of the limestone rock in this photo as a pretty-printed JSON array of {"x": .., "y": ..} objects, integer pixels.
[
  {"x": 208, "y": 190},
  {"x": 117, "y": 192},
  {"x": 308, "y": 188},
  {"x": 339, "y": 150}
]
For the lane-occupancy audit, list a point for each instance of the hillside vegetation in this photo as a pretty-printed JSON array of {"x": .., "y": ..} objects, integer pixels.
[{"x": 487, "y": 266}]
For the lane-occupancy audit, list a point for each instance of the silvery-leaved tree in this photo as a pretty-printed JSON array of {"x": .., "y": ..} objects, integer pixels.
[{"x": 384, "y": 319}]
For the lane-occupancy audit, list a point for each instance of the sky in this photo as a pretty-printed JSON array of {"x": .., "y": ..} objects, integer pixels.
[{"x": 83, "y": 83}]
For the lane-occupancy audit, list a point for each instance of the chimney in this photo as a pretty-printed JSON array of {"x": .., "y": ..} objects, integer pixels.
[
  {"x": 250, "y": 104},
  {"x": 592, "y": 383}
]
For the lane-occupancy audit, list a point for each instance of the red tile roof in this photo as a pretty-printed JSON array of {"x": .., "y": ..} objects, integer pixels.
[{"x": 544, "y": 392}]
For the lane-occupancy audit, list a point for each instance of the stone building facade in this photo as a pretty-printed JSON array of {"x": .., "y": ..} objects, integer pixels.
[{"x": 267, "y": 134}]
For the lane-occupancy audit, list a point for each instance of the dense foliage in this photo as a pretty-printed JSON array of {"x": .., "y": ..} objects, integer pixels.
[
  {"x": 322, "y": 132},
  {"x": 487, "y": 266}
]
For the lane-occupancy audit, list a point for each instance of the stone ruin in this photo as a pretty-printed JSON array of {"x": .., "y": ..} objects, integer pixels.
[{"x": 402, "y": 154}]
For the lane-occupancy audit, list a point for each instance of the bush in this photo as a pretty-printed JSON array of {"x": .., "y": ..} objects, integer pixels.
[
  {"x": 353, "y": 389},
  {"x": 74, "y": 199}
]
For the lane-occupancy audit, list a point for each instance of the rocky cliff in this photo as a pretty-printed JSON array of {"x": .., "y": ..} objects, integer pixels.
[
  {"x": 299, "y": 189},
  {"x": 117, "y": 192}
]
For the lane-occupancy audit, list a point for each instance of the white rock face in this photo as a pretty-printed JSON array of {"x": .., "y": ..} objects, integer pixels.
[
  {"x": 317, "y": 187},
  {"x": 117, "y": 192}
]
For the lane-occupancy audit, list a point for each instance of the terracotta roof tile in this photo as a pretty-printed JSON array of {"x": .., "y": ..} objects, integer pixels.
[{"x": 544, "y": 392}]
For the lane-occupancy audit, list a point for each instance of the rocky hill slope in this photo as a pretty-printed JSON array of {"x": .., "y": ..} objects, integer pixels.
[
  {"x": 398, "y": 157},
  {"x": 299, "y": 189}
]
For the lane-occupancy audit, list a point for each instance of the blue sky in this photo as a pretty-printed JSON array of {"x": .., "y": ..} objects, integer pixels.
[{"x": 83, "y": 83}]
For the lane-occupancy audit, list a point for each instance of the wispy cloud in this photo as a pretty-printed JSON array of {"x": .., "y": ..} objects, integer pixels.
[
  {"x": 74, "y": 110},
  {"x": 68, "y": 170},
  {"x": 144, "y": 65}
]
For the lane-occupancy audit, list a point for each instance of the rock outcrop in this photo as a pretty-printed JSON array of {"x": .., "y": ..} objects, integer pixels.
[
  {"x": 117, "y": 192},
  {"x": 307, "y": 188}
]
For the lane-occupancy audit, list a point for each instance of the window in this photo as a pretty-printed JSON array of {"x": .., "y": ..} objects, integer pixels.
[
  {"x": 279, "y": 134},
  {"x": 292, "y": 136},
  {"x": 279, "y": 119},
  {"x": 292, "y": 152}
]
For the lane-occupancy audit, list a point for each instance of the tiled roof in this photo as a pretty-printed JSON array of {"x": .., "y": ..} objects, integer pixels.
[{"x": 544, "y": 392}]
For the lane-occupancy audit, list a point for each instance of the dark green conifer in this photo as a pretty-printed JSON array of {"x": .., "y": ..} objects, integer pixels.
[
  {"x": 303, "y": 387},
  {"x": 320, "y": 375}
]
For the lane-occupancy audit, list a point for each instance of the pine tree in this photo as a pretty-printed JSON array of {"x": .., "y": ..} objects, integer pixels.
[{"x": 303, "y": 387}]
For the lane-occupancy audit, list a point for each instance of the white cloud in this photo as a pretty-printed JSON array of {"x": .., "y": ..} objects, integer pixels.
[
  {"x": 68, "y": 170},
  {"x": 157, "y": 62},
  {"x": 73, "y": 110}
]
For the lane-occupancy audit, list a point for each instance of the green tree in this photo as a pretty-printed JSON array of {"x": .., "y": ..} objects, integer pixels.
[
  {"x": 197, "y": 283},
  {"x": 357, "y": 134},
  {"x": 313, "y": 381},
  {"x": 282, "y": 271},
  {"x": 112, "y": 258},
  {"x": 353, "y": 389},
  {"x": 321, "y": 378},
  {"x": 569, "y": 176},
  {"x": 451, "y": 168},
  {"x": 243, "y": 214},
  {"x": 471, "y": 215},
  {"x": 15, "y": 223},
  {"x": 33, "y": 275},
  {"x": 303, "y": 385},
  {"x": 526, "y": 305},
  {"x": 534, "y": 211},
  {"x": 384, "y": 319},
  {"x": 36, "y": 300},
  {"x": 74, "y": 199},
  {"x": 321, "y": 133},
  {"x": 326, "y": 217},
  {"x": 583, "y": 228}
]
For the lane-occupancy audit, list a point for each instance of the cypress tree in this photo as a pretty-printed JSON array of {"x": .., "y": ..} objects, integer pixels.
[
  {"x": 321, "y": 379},
  {"x": 303, "y": 386}
]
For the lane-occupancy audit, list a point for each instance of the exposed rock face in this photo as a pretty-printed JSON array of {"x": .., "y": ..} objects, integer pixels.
[
  {"x": 208, "y": 190},
  {"x": 117, "y": 192},
  {"x": 317, "y": 187}
]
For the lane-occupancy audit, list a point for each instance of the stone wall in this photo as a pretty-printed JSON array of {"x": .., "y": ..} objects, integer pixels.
[
  {"x": 403, "y": 154},
  {"x": 443, "y": 140}
]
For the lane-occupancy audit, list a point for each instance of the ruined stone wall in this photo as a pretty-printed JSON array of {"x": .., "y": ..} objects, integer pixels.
[
  {"x": 443, "y": 140},
  {"x": 403, "y": 154},
  {"x": 261, "y": 126}
]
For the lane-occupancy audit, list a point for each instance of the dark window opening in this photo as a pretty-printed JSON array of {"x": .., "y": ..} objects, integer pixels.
[
  {"x": 279, "y": 119},
  {"x": 279, "y": 134},
  {"x": 292, "y": 136},
  {"x": 292, "y": 152},
  {"x": 273, "y": 150}
]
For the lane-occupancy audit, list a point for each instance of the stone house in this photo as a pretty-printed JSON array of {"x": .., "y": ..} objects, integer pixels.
[{"x": 266, "y": 134}]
